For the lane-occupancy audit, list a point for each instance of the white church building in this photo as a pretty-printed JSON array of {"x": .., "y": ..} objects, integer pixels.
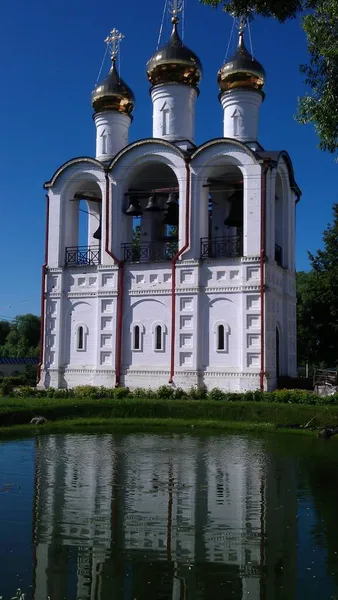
[{"x": 187, "y": 276}]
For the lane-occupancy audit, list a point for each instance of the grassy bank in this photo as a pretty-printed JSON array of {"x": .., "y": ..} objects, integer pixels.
[{"x": 72, "y": 413}]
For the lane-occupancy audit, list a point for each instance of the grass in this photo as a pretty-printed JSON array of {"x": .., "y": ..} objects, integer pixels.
[{"x": 69, "y": 414}]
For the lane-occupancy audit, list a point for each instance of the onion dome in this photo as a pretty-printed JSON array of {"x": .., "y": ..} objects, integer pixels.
[
  {"x": 174, "y": 62},
  {"x": 241, "y": 71},
  {"x": 113, "y": 93}
]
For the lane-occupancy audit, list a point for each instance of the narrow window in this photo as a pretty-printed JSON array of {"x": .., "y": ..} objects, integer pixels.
[
  {"x": 80, "y": 338},
  {"x": 220, "y": 338},
  {"x": 158, "y": 337},
  {"x": 136, "y": 341}
]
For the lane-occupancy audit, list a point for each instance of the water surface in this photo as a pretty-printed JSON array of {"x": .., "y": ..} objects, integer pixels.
[{"x": 179, "y": 517}]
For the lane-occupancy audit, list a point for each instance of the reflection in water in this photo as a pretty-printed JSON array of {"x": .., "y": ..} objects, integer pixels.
[
  {"x": 177, "y": 517},
  {"x": 168, "y": 517}
]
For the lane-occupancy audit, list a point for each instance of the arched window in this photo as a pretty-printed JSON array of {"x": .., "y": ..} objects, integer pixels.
[
  {"x": 158, "y": 337},
  {"x": 136, "y": 338},
  {"x": 137, "y": 332},
  {"x": 80, "y": 338},
  {"x": 220, "y": 338}
]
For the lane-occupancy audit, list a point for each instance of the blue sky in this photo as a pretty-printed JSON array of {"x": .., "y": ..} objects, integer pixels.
[{"x": 51, "y": 55}]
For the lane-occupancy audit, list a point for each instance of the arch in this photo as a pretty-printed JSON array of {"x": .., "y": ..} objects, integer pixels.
[
  {"x": 221, "y": 299},
  {"x": 143, "y": 143},
  {"x": 80, "y": 218},
  {"x": 144, "y": 235},
  {"x": 81, "y": 160},
  {"x": 159, "y": 331},
  {"x": 137, "y": 331},
  {"x": 147, "y": 300},
  {"x": 224, "y": 173},
  {"x": 81, "y": 335},
  {"x": 221, "y": 331}
]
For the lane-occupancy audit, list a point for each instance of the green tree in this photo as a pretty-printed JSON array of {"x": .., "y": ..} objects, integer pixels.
[
  {"x": 5, "y": 328},
  {"x": 320, "y": 23},
  {"x": 22, "y": 336},
  {"x": 318, "y": 302}
]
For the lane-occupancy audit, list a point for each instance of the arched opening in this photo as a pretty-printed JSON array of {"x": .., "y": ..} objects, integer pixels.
[
  {"x": 83, "y": 225},
  {"x": 136, "y": 338},
  {"x": 80, "y": 338},
  {"x": 277, "y": 353},
  {"x": 225, "y": 213},
  {"x": 220, "y": 338},
  {"x": 151, "y": 207},
  {"x": 279, "y": 222},
  {"x": 158, "y": 337}
]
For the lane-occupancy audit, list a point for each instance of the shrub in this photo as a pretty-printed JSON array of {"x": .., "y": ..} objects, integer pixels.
[
  {"x": 87, "y": 391},
  {"x": 179, "y": 393},
  {"x": 121, "y": 392},
  {"x": 198, "y": 392},
  {"x": 165, "y": 391},
  {"x": 216, "y": 394},
  {"x": 139, "y": 393}
]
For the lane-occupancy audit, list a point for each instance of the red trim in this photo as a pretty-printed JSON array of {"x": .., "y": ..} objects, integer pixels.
[
  {"x": 43, "y": 286},
  {"x": 118, "y": 347},
  {"x": 173, "y": 272},
  {"x": 262, "y": 274}
]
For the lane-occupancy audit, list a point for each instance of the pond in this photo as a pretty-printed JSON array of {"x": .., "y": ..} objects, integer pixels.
[{"x": 179, "y": 517}]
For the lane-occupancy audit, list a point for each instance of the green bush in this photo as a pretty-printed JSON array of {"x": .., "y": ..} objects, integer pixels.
[
  {"x": 165, "y": 391},
  {"x": 216, "y": 394},
  {"x": 122, "y": 392},
  {"x": 197, "y": 392}
]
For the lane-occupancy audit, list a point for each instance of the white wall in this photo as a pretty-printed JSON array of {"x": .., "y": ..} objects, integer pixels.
[{"x": 174, "y": 112}]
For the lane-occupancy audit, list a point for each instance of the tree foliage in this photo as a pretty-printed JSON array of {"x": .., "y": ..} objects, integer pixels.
[
  {"x": 317, "y": 309},
  {"x": 320, "y": 23},
  {"x": 20, "y": 338}
]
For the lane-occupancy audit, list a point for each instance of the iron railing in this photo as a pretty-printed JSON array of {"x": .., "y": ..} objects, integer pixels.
[
  {"x": 82, "y": 255},
  {"x": 221, "y": 247},
  {"x": 149, "y": 251},
  {"x": 278, "y": 255}
]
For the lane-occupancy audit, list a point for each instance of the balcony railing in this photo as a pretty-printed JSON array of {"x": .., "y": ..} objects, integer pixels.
[
  {"x": 278, "y": 255},
  {"x": 82, "y": 255},
  {"x": 149, "y": 251},
  {"x": 221, "y": 247}
]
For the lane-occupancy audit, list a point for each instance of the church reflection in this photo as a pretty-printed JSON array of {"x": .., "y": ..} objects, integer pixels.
[{"x": 163, "y": 517}]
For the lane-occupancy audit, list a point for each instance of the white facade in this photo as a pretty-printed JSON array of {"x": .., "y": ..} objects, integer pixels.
[{"x": 215, "y": 306}]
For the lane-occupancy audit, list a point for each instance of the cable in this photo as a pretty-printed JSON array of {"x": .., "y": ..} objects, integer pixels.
[
  {"x": 162, "y": 22},
  {"x": 250, "y": 40},
  {"x": 183, "y": 18},
  {"x": 104, "y": 58},
  {"x": 231, "y": 34}
]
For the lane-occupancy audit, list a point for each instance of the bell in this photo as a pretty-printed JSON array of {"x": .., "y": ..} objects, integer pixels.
[
  {"x": 171, "y": 214},
  {"x": 152, "y": 205},
  {"x": 134, "y": 209},
  {"x": 172, "y": 199},
  {"x": 97, "y": 234},
  {"x": 235, "y": 216}
]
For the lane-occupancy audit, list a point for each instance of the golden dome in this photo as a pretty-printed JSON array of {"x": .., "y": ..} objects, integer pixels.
[
  {"x": 113, "y": 94},
  {"x": 241, "y": 71},
  {"x": 174, "y": 62}
]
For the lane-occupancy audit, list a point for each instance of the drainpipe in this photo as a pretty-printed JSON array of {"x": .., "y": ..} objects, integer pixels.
[
  {"x": 119, "y": 311},
  {"x": 262, "y": 272},
  {"x": 43, "y": 293},
  {"x": 173, "y": 271}
]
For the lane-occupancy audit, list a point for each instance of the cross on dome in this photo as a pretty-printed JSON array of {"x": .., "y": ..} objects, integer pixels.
[
  {"x": 175, "y": 7},
  {"x": 113, "y": 41}
]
